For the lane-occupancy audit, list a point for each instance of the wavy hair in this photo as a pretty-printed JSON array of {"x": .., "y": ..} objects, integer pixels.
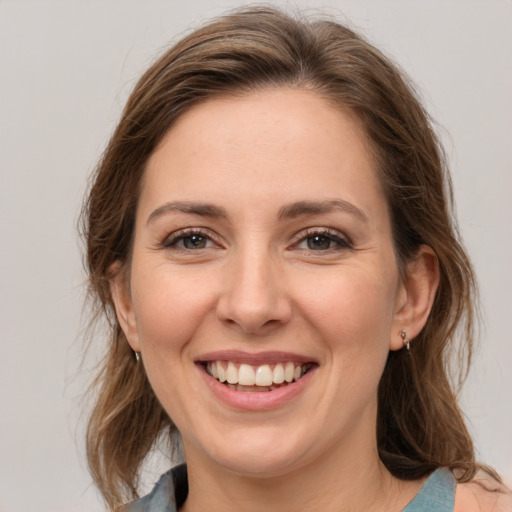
[{"x": 420, "y": 426}]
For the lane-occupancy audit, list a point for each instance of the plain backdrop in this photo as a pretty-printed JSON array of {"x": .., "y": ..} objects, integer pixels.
[{"x": 66, "y": 69}]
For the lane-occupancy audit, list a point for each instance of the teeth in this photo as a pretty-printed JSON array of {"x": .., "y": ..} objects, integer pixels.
[
  {"x": 248, "y": 378},
  {"x": 246, "y": 375},
  {"x": 288, "y": 372},
  {"x": 220, "y": 371},
  {"x": 278, "y": 374},
  {"x": 264, "y": 375},
  {"x": 232, "y": 374}
]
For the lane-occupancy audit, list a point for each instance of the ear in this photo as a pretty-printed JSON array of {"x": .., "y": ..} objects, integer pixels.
[
  {"x": 120, "y": 291},
  {"x": 415, "y": 296}
]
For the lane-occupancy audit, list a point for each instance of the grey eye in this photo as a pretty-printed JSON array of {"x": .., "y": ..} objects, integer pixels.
[
  {"x": 319, "y": 242},
  {"x": 194, "y": 242}
]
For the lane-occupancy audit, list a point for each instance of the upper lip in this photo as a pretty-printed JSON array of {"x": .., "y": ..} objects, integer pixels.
[{"x": 259, "y": 358}]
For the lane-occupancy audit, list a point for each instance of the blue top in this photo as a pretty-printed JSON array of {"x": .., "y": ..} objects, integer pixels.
[
  {"x": 436, "y": 495},
  {"x": 169, "y": 494}
]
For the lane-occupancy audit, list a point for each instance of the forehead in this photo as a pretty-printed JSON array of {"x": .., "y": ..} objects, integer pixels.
[{"x": 281, "y": 143}]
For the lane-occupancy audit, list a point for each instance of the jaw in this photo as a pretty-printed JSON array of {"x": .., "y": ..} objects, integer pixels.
[{"x": 281, "y": 443}]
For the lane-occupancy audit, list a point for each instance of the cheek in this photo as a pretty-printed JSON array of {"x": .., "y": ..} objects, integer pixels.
[
  {"x": 169, "y": 310},
  {"x": 169, "y": 307},
  {"x": 353, "y": 311}
]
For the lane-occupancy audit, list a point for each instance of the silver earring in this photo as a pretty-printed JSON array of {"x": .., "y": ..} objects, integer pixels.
[
  {"x": 405, "y": 339},
  {"x": 137, "y": 356}
]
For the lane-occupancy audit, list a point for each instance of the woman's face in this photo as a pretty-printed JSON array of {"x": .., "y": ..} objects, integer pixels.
[{"x": 262, "y": 254}]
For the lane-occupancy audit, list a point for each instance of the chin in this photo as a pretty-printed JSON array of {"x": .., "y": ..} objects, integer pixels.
[
  {"x": 260, "y": 452},
  {"x": 255, "y": 465}
]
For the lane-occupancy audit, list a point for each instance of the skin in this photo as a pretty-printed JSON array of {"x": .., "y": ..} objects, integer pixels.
[
  {"x": 257, "y": 283},
  {"x": 483, "y": 494}
]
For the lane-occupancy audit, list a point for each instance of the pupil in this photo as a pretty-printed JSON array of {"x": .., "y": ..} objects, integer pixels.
[
  {"x": 194, "y": 242},
  {"x": 319, "y": 242}
]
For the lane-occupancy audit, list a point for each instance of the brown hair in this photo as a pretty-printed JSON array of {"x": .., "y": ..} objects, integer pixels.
[{"x": 420, "y": 426}]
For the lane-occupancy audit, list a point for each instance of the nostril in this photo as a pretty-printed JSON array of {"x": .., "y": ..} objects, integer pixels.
[{"x": 255, "y": 318}]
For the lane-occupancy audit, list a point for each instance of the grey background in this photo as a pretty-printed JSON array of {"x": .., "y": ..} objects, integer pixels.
[{"x": 66, "y": 69}]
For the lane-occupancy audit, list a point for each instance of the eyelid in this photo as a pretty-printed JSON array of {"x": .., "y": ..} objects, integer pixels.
[
  {"x": 172, "y": 238},
  {"x": 343, "y": 240}
]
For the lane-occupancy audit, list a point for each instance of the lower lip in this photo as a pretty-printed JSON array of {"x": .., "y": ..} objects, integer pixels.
[{"x": 256, "y": 400}]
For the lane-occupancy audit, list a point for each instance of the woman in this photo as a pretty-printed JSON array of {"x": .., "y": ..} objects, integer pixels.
[{"x": 269, "y": 232}]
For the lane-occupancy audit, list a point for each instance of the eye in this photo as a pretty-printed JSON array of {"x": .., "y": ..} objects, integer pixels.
[
  {"x": 189, "y": 240},
  {"x": 194, "y": 242},
  {"x": 323, "y": 240},
  {"x": 319, "y": 242}
]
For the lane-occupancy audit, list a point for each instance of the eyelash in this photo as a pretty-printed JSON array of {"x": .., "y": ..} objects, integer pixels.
[
  {"x": 342, "y": 242},
  {"x": 174, "y": 239}
]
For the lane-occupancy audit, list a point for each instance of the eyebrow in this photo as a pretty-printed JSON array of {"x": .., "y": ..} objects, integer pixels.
[
  {"x": 290, "y": 211},
  {"x": 301, "y": 208},
  {"x": 202, "y": 209}
]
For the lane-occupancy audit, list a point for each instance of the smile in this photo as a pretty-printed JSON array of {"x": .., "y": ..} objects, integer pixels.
[{"x": 250, "y": 378}]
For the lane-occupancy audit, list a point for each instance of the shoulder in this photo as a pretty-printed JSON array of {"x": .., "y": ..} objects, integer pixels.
[{"x": 483, "y": 494}]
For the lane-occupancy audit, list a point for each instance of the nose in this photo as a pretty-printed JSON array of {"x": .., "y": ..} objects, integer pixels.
[{"x": 254, "y": 298}]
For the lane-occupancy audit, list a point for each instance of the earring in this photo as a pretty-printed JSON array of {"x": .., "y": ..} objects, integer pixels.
[
  {"x": 405, "y": 339},
  {"x": 137, "y": 356}
]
